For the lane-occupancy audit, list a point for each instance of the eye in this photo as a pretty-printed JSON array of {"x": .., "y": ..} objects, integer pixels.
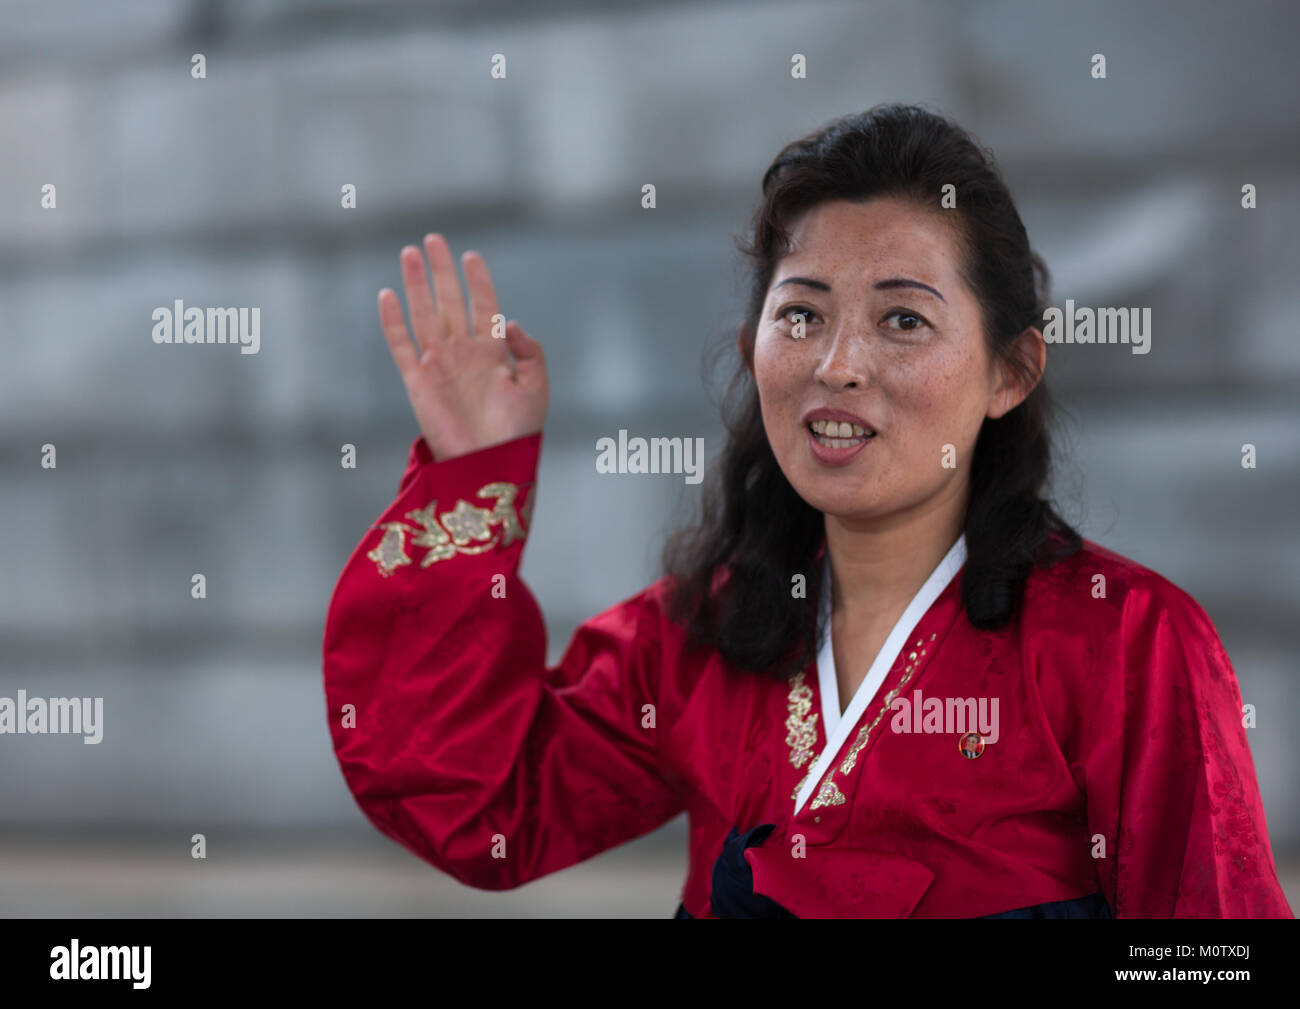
[
  {"x": 803, "y": 310},
  {"x": 904, "y": 313}
]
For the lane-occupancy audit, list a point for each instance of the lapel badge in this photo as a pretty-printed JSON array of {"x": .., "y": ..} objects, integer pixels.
[{"x": 971, "y": 745}]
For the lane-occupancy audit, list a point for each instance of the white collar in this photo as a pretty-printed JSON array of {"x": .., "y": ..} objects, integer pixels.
[{"x": 837, "y": 727}]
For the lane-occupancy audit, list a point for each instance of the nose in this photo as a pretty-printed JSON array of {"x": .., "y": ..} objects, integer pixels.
[{"x": 844, "y": 364}]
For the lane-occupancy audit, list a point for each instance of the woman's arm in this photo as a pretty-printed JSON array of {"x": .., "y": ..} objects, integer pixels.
[
  {"x": 1174, "y": 793},
  {"x": 452, "y": 734},
  {"x": 454, "y": 737}
]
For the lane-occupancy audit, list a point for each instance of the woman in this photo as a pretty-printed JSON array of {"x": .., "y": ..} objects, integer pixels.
[{"x": 881, "y": 675}]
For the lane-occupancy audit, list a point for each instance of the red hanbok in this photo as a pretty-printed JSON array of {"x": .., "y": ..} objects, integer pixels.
[{"x": 1119, "y": 764}]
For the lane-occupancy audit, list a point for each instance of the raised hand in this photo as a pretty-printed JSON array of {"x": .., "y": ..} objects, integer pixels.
[{"x": 468, "y": 388}]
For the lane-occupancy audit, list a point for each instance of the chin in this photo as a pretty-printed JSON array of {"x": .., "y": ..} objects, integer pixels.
[
  {"x": 840, "y": 502},
  {"x": 852, "y": 510}
]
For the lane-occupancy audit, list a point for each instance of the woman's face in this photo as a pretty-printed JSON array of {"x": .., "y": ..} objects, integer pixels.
[{"x": 892, "y": 343}]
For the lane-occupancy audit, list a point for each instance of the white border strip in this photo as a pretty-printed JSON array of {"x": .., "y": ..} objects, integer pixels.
[{"x": 838, "y": 727}]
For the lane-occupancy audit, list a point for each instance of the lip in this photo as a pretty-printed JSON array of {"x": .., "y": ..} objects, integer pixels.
[
  {"x": 827, "y": 455},
  {"x": 834, "y": 456}
]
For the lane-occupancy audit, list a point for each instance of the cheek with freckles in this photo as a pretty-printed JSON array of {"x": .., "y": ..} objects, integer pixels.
[
  {"x": 946, "y": 408},
  {"x": 780, "y": 380},
  {"x": 920, "y": 412},
  {"x": 929, "y": 401}
]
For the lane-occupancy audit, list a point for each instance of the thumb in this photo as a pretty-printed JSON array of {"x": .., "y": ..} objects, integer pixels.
[{"x": 522, "y": 346}]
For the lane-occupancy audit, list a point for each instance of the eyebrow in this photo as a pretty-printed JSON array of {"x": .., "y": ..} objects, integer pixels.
[{"x": 880, "y": 285}]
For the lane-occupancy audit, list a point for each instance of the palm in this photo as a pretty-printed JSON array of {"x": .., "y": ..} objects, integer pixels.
[{"x": 468, "y": 388}]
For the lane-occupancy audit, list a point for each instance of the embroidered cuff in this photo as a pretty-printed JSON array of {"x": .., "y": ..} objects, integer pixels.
[{"x": 471, "y": 504}]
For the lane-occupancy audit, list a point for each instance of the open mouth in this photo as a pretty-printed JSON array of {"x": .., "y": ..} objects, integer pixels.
[{"x": 839, "y": 434}]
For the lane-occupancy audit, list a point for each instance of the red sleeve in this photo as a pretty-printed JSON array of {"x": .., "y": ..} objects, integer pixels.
[
  {"x": 1174, "y": 793},
  {"x": 455, "y": 738}
]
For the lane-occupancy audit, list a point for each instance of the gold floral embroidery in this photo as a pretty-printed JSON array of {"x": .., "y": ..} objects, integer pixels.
[
  {"x": 828, "y": 794},
  {"x": 466, "y": 522},
  {"x": 391, "y": 554},
  {"x": 452, "y": 532},
  {"x": 431, "y": 535},
  {"x": 504, "y": 512},
  {"x": 801, "y": 729},
  {"x": 851, "y": 758}
]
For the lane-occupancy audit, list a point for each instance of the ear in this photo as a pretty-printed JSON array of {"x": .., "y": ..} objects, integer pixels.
[{"x": 1012, "y": 386}]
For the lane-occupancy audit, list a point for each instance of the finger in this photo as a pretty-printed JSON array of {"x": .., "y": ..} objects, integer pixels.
[
  {"x": 451, "y": 304},
  {"x": 424, "y": 318},
  {"x": 483, "y": 298},
  {"x": 529, "y": 358},
  {"x": 399, "y": 340}
]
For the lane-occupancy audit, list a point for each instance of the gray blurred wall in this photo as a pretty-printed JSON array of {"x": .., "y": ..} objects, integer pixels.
[{"x": 225, "y": 191}]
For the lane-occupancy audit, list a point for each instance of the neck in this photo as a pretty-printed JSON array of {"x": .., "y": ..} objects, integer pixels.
[{"x": 878, "y": 565}]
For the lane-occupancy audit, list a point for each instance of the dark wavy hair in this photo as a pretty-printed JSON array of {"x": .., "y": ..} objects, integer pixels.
[{"x": 731, "y": 568}]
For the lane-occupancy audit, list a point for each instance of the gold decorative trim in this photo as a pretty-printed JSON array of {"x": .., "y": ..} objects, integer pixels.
[
  {"x": 802, "y": 734},
  {"x": 464, "y": 529},
  {"x": 801, "y": 729},
  {"x": 829, "y": 794}
]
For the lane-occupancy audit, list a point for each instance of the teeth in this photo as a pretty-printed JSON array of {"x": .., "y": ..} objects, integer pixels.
[{"x": 838, "y": 430}]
